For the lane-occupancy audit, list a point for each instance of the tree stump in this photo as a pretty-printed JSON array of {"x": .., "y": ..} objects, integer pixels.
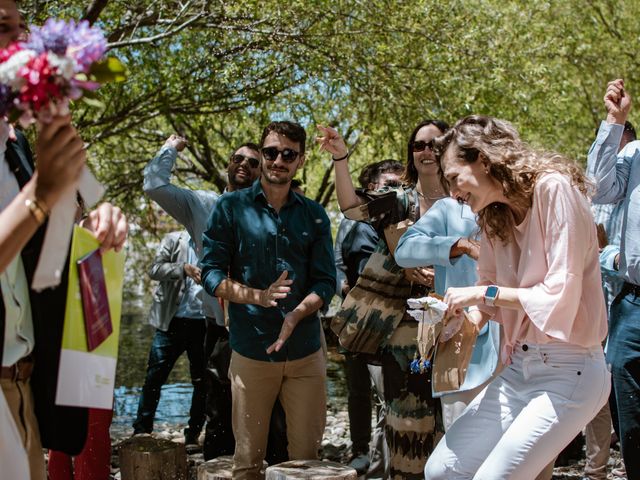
[
  {"x": 219, "y": 468},
  {"x": 310, "y": 469},
  {"x": 144, "y": 457}
]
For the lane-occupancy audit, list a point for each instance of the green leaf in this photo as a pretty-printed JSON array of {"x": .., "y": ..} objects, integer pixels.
[
  {"x": 108, "y": 70},
  {"x": 93, "y": 102}
]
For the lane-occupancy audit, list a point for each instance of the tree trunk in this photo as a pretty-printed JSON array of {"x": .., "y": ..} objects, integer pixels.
[
  {"x": 219, "y": 468},
  {"x": 148, "y": 458},
  {"x": 312, "y": 469}
]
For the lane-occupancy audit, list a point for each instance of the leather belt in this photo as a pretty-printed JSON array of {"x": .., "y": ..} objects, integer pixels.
[
  {"x": 631, "y": 288},
  {"x": 21, "y": 370}
]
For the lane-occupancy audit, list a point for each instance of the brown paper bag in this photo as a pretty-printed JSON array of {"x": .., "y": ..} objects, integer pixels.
[{"x": 452, "y": 358}]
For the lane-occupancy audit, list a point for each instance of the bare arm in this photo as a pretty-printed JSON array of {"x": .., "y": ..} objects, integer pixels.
[
  {"x": 309, "y": 305},
  {"x": 236, "y": 292},
  {"x": 332, "y": 142},
  {"x": 458, "y": 298}
]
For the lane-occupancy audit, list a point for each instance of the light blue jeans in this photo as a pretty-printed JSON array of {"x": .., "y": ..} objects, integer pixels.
[{"x": 526, "y": 416}]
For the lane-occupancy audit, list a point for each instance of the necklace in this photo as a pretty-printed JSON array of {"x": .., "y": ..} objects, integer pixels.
[{"x": 427, "y": 197}]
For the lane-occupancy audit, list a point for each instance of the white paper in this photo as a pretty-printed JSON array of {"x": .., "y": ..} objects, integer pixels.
[
  {"x": 85, "y": 380},
  {"x": 59, "y": 229},
  {"x": 427, "y": 309}
]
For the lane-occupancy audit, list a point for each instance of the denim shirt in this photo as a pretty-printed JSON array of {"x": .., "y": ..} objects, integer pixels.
[
  {"x": 248, "y": 241},
  {"x": 189, "y": 207},
  {"x": 617, "y": 177}
]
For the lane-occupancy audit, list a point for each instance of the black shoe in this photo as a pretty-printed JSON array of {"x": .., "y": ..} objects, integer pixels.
[
  {"x": 360, "y": 463},
  {"x": 191, "y": 444}
]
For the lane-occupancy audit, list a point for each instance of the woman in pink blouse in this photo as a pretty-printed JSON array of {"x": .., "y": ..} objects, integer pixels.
[{"x": 540, "y": 278}]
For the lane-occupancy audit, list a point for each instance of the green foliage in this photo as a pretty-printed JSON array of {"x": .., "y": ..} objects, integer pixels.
[{"x": 217, "y": 72}]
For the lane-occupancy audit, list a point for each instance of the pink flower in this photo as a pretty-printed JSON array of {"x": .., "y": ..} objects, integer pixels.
[{"x": 40, "y": 87}]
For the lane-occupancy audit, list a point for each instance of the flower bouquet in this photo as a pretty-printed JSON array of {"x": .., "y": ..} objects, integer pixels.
[{"x": 60, "y": 61}]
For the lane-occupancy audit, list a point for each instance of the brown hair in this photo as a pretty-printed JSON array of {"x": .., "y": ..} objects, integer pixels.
[
  {"x": 410, "y": 176},
  {"x": 514, "y": 164}
]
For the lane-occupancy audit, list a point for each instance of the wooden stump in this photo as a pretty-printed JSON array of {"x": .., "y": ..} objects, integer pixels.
[
  {"x": 219, "y": 468},
  {"x": 144, "y": 457},
  {"x": 310, "y": 469}
]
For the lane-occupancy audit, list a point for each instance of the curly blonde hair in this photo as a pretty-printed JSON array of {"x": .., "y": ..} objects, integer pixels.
[{"x": 514, "y": 164}]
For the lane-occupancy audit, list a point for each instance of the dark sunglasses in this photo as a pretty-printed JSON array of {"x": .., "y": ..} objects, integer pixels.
[
  {"x": 239, "y": 158},
  {"x": 420, "y": 145},
  {"x": 271, "y": 153}
]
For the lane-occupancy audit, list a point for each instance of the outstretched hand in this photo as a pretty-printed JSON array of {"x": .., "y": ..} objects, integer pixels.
[
  {"x": 332, "y": 142},
  {"x": 617, "y": 102},
  {"x": 276, "y": 291},
  {"x": 288, "y": 325}
]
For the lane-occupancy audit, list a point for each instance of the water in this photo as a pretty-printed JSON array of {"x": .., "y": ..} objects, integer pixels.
[{"x": 175, "y": 399}]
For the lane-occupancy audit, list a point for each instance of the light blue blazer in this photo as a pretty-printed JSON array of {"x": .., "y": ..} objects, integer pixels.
[{"x": 429, "y": 242}]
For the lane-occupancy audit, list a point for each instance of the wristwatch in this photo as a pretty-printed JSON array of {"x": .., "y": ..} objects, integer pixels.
[{"x": 490, "y": 295}]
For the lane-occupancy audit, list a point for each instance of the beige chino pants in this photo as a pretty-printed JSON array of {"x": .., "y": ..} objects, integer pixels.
[{"x": 255, "y": 385}]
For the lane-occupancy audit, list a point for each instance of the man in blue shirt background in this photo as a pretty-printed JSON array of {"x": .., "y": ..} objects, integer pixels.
[
  {"x": 617, "y": 179},
  {"x": 268, "y": 251}
]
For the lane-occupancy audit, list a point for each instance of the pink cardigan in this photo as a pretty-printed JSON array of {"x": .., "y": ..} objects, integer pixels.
[{"x": 553, "y": 261}]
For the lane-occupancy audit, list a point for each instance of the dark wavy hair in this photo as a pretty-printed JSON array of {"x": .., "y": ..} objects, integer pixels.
[
  {"x": 371, "y": 173},
  {"x": 410, "y": 176},
  {"x": 513, "y": 163},
  {"x": 293, "y": 131}
]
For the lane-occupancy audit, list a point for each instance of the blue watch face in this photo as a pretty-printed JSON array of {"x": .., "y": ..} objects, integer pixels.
[{"x": 492, "y": 292}]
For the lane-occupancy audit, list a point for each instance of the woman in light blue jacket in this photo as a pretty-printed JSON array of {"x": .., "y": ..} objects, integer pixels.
[{"x": 441, "y": 238}]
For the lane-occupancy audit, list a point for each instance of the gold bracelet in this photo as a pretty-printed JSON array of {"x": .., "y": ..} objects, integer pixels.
[{"x": 38, "y": 209}]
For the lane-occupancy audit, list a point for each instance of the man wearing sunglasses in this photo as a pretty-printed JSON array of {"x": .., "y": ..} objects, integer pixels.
[
  {"x": 192, "y": 208},
  {"x": 268, "y": 251}
]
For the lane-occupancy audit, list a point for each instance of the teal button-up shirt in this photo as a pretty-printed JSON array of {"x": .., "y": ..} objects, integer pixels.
[{"x": 248, "y": 241}]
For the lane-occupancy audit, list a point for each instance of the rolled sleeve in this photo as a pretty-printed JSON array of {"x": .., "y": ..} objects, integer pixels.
[{"x": 218, "y": 246}]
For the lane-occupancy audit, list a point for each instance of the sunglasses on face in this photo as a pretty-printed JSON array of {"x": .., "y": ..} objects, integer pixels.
[
  {"x": 420, "y": 145},
  {"x": 271, "y": 154},
  {"x": 239, "y": 158}
]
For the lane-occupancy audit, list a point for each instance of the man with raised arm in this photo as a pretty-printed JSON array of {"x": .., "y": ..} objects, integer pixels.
[{"x": 617, "y": 177}]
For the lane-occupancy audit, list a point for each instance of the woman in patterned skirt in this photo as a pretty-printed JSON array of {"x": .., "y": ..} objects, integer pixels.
[{"x": 372, "y": 319}]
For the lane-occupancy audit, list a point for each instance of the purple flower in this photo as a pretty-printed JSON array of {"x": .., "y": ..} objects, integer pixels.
[
  {"x": 88, "y": 44},
  {"x": 82, "y": 42}
]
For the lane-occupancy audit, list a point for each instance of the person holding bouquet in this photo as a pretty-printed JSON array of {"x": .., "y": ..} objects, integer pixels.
[
  {"x": 31, "y": 321},
  {"x": 538, "y": 271}
]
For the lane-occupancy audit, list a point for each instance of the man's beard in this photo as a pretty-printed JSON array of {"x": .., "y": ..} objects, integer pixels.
[
  {"x": 240, "y": 183},
  {"x": 276, "y": 180}
]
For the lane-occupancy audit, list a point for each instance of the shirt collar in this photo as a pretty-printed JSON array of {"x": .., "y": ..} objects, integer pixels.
[{"x": 257, "y": 191}]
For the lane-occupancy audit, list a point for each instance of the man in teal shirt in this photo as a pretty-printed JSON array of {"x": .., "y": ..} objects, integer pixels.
[{"x": 268, "y": 251}]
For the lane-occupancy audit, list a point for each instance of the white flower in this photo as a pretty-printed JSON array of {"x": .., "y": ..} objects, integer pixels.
[
  {"x": 66, "y": 66},
  {"x": 9, "y": 69}
]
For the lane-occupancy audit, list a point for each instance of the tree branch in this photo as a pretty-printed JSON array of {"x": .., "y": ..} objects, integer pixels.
[{"x": 94, "y": 10}]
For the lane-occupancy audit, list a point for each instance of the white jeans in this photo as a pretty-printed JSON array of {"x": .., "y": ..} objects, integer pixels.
[{"x": 526, "y": 416}]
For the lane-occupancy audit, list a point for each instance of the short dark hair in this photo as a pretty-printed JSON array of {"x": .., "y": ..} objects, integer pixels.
[
  {"x": 371, "y": 173},
  {"x": 251, "y": 145},
  {"x": 293, "y": 131},
  {"x": 410, "y": 173}
]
